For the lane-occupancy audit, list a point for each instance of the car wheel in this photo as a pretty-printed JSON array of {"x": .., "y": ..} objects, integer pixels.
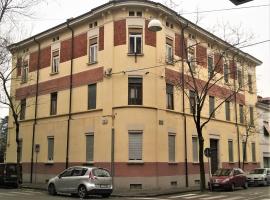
[
  {"x": 106, "y": 195},
  {"x": 82, "y": 192},
  {"x": 245, "y": 186},
  {"x": 232, "y": 187},
  {"x": 51, "y": 189}
]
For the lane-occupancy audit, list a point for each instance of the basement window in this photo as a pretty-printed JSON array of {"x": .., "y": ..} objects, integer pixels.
[{"x": 135, "y": 186}]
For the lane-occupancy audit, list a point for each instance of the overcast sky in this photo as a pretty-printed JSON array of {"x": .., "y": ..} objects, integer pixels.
[{"x": 252, "y": 20}]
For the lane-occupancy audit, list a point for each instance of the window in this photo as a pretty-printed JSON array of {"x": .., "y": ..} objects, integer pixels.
[
  {"x": 253, "y": 151},
  {"x": 230, "y": 147},
  {"x": 79, "y": 172},
  {"x": 251, "y": 115},
  {"x": 135, "y": 41},
  {"x": 92, "y": 96},
  {"x": 169, "y": 50},
  {"x": 139, "y": 13},
  {"x": 244, "y": 150},
  {"x": 55, "y": 61},
  {"x": 191, "y": 59},
  {"x": 25, "y": 71},
  {"x": 93, "y": 50},
  {"x": 53, "y": 103},
  {"x": 241, "y": 113},
  {"x": 212, "y": 106},
  {"x": 134, "y": 91},
  {"x": 169, "y": 92},
  {"x": 210, "y": 67},
  {"x": 239, "y": 77},
  {"x": 50, "y": 148},
  {"x": 195, "y": 149},
  {"x": 90, "y": 148},
  {"x": 250, "y": 87},
  {"x": 68, "y": 172},
  {"x": 131, "y": 13},
  {"x": 192, "y": 101},
  {"x": 227, "y": 110},
  {"x": 226, "y": 73},
  {"x": 23, "y": 109},
  {"x": 135, "y": 145},
  {"x": 171, "y": 147}
]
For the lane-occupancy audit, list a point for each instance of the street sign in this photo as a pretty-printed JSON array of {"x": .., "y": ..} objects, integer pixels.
[{"x": 207, "y": 152}]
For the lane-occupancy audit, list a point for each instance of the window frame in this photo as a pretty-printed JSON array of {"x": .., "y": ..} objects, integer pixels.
[
  {"x": 50, "y": 158},
  {"x": 195, "y": 152},
  {"x": 135, "y": 33},
  {"x": 192, "y": 96},
  {"x": 87, "y": 146},
  {"x": 250, "y": 84},
  {"x": 192, "y": 58},
  {"x": 253, "y": 152},
  {"x": 228, "y": 110},
  {"x": 25, "y": 71},
  {"x": 137, "y": 86},
  {"x": 210, "y": 70},
  {"x": 92, "y": 96},
  {"x": 230, "y": 151},
  {"x": 226, "y": 73},
  {"x": 169, "y": 50},
  {"x": 169, "y": 96},
  {"x": 55, "y": 62},
  {"x": 23, "y": 109},
  {"x": 54, "y": 97},
  {"x": 172, "y": 148},
  {"x": 139, "y": 157},
  {"x": 241, "y": 113},
  {"x": 93, "y": 47},
  {"x": 212, "y": 106}
]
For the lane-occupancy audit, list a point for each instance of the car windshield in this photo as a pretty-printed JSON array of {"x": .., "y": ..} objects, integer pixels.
[
  {"x": 257, "y": 171},
  {"x": 222, "y": 172}
]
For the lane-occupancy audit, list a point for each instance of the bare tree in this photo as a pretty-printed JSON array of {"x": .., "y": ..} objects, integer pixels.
[{"x": 10, "y": 10}]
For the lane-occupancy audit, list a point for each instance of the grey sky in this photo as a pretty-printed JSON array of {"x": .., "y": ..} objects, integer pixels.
[{"x": 252, "y": 20}]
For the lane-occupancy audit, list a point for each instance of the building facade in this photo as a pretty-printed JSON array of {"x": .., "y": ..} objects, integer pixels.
[
  {"x": 97, "y": 90},
  {"x": 263, "y": 114}
]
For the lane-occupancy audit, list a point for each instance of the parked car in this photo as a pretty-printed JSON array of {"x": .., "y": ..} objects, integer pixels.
[
  {"x": 259, "y": 176},
  {"x": 228, "y": 179},
  {"x": 82, "y": 181},
  {"x": 8, "y": 174}
]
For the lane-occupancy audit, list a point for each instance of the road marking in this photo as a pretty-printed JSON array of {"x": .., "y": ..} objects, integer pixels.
[
  {"x": 233, "y": 198},
  {"x": 34, "y": 192},
  {"x": 214, "y": 197},
  {"x": 23, "y": 193},
  {"x": 184, "y": 195},
  {"x": 197, "y": 196}
]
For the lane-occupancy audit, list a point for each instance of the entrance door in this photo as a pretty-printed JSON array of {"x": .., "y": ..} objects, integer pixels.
[{"x": 214, "y": 155}]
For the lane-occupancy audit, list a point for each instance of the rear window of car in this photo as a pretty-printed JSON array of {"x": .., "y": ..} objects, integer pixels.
[
  {"x": 223, "y": 172},
  {"x": 101, "y": 173}
]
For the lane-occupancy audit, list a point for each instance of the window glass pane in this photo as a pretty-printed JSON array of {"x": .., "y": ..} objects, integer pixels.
[
  {"x": 53, "y": 110},
  {"x": 50, "y": 148},
  {"x": 139, "y": 45},
  {"x": 210, "y": 66},
  {"x": 195, "y": 149},
  {"x": 227, "y": 110},
  {"x": 131, "y": 44},
  {"x": 171, "y": 148},
  {"x": 134, "y": 91},
  {"x": 250, "y": 83},
  {"x": 169, "y": 93},
  {"x": 92, "y": 95},
  {"x": 230, "y": 146},
  {"x": 241, "y": 113},
  {"x": 251, "y": 116},
  {"x": 89, "y": 148},
  {"x": 211, "y": 106},
  {"x": 226, "y": 73},
  {"x": 135, "y": 146},
  {"x": 23, "y": 109},
  {"x": 244, "y": 151},
  {"x": 192, "y": 99},
  {"x": 253, "y": 147}
]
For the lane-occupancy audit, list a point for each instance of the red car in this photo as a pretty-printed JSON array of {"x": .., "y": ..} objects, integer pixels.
[{"x": 228, "y": 179}]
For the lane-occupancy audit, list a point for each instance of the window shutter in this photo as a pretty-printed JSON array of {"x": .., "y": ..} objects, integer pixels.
[
  {"x": 135, "y": 146},
  {"x": 169, "y": 41},
  {"x": 135, "y": 30},
  {"x": 195, "y": 149},
  {"x": 89, "y": 147},
  {"x": 171, "y": 148},
  {"x": 50, "y": 148},
  {"x": 55, "y": 53},
  {"x": 93, "y": 41}
]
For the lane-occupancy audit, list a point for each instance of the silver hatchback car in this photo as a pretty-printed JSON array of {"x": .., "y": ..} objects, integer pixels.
[{"x": 82, "y": 181}]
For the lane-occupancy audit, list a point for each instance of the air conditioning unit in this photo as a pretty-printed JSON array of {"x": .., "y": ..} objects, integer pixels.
[{"x": 108, "y": 72}]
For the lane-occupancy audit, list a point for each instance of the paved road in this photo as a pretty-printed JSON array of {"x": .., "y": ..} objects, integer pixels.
[{"x": 254, "y": 193}]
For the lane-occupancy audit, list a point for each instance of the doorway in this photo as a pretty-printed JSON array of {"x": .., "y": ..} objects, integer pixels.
[{"x": 214, "y": 154}]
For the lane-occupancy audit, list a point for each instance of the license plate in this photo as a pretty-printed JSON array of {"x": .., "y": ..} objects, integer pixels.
[{"x": 104, "y": 186}]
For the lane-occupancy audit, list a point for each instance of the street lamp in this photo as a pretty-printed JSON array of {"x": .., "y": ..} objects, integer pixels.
[
  {"x": 155, "y": 25},
  {"x": 239, "y": 2}
]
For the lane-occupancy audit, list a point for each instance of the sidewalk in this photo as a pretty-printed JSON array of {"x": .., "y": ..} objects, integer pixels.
[{"x": 135, "y": 193}]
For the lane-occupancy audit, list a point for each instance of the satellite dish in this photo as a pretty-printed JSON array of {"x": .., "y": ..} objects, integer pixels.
[{"x": 154, "y": 25}]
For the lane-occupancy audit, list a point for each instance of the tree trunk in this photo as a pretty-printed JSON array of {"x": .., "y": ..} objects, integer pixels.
[
  {"x": 244, "y": 153},
  {"x": 18, "y": 167},
  {"x": 202, "y": 170}
]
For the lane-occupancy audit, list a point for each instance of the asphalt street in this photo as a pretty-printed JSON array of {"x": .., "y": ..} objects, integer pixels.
[{"x": 252, "y": 193}]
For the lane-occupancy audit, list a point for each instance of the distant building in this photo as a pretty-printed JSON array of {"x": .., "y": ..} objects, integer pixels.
[
  {"x": 104, "y": 72},
  {"x": 263, "y": 112}
]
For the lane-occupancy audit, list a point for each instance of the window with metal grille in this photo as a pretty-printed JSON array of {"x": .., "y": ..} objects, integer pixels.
[
  {"x": 210, "y": 67},
  {"x": 55, "y": 61},
  {"x": 192, "y": 101},
  {"x": 212, "y": 106},
  {"x": 253, "y": 149},
  {"x": 135, "y": 41},
  {"x": 171, "y": 145},
  {"x": 169, "y": 93},
  {"x": 134, "y": 91},
  {"x": 93, "y": 50},
  {"x": 195, "y": 149},
  {"x": 135, "y": 145},
  {"x": 230, "y": 148},
  {"x": 169, "y": 50},
  {"x": 227, "y": 110},
  {"x": 89, "y": 147},
  {"x": 23, "y": 109},
  {"x": 92, "y": 96},
  {"x": 241, "y": 113},
  {"x": 25, "y": 71},
  {"x": 53, "y": 109},
  {"x": 50, "y": 148},
  {"x": 226, "y": 73}
]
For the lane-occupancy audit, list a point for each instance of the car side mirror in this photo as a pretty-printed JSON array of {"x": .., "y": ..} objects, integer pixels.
[{"x": 60, "y": 176}]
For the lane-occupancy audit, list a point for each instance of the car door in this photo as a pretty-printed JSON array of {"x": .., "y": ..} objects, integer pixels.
[
  {"x": 242, "y": 177},
  {"x": 268, "y": 175},
  {"x": 236, "y": 177},
  {"x": 61, "y": 183},
  {"x": 76, "y": 179}
]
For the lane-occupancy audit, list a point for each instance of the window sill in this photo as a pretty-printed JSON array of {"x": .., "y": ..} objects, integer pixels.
[
  {"x": 53, "y": 73},
  {"x": 49, "y": 162},
  {"x": 92, "y": 63},
  {"x": 135, "y": 162},
  {"x": 170, "y": 62},
  {"x": 195, "y": 163},
  {"x": 172, "y": 163},
  {"x": 88, "y": 163},
  {"x": 133, "y": 54}
]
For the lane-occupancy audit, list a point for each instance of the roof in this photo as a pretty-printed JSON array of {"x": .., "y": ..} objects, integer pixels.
[{"x": 155, "y": 5}]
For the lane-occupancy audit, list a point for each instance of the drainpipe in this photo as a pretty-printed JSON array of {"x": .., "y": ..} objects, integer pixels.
[
  {"x": 183, "y": 100},
  {"x": 70, "y": 91},
  {"x": 35, "y": 115}
]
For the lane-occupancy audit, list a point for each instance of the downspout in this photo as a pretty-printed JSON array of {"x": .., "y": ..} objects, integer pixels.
[
  {"x": 35, "y": 115},
  {"x": 183, "y": 100},
  {"x": 70, "y": 92}
]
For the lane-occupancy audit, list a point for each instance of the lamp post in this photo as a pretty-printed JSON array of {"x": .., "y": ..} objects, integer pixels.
[{"x": 155, "y": 26}]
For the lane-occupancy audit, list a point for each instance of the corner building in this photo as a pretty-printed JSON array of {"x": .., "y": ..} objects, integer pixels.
[{"x": 96, "y": 91}]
